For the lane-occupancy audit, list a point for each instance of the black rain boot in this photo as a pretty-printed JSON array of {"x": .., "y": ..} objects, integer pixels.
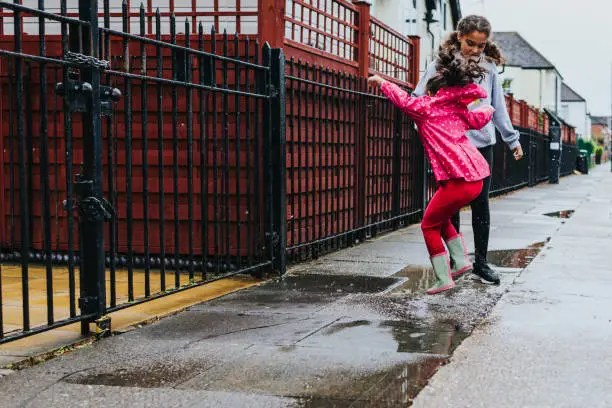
[{"x": 483, "y": 272}]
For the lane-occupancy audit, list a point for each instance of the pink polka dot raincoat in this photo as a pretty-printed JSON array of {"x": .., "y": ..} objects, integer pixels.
[{"x": 442, "y": 121}]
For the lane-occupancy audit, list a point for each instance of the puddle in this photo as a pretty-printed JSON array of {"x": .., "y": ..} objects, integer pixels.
[
  {"x": 304, "y": 290},
  {"x": 394, "y": 387},
  {"x": 439, "y": 338},
  {"x": 402, "y": 356},
  {"x": 332, "y": 283},
  {"x": 153, "y": 376},
  {"x": 514, "y": 258},
  {"x": 402, "y": 383},
  {"x": 419, "y": 279},
  {"x": 338, "y": 327},
  {"x": 561, "y": 214}
]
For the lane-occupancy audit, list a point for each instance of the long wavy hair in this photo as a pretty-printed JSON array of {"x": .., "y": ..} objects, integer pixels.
[
  {"x": 467, "y": 25},
  {"x": 452, "y": 69}
]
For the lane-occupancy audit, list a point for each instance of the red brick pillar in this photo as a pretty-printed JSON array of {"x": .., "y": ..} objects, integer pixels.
[
  {"x": 363, "y": 37},
  {"x": 415, "y": 67},
  {"x": 271, "y": 22}
]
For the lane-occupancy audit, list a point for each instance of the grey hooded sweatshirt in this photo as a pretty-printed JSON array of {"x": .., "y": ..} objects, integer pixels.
[{"x": 495, "y": 97}]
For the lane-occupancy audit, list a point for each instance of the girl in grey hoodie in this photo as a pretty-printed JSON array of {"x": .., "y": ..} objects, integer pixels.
[{"x": 472, "y": 40}]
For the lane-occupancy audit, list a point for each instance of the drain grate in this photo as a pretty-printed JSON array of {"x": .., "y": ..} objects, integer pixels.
[{"x": 561, "y": 214}]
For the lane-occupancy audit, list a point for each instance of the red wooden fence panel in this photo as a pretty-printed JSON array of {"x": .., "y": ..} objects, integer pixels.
[
  {"x": 392, "y": 54},
  {"x": 240, "y": 120}
]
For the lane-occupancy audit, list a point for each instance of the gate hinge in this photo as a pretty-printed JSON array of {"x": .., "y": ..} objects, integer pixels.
[
  {"x": 108, "y": 96},
  {"x": 87, "y": 304},
  {"x": 79, "y": 93},
  {"x": 273, "y": 239},
  {"x": 96, "y": 209},
  {"x": 93, "y": 209},
  {"x": 273, "y": 90}
]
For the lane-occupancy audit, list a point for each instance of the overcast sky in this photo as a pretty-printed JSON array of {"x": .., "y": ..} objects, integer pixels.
[{"x": 575, "y": 35}]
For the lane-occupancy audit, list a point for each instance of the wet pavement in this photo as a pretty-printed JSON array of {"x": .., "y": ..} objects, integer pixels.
[
  {"x": 545, "y": 344},
  {"x": 352, "y": 329}
]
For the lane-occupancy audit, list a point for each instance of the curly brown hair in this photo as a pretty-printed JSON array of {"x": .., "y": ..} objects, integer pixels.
[
  {"x": 467, "y": 25},
  {"x": 452, "y": 69}
]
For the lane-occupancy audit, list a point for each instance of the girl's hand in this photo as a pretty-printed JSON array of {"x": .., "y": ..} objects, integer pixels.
[
  {"x": 518, "y": 153},
  {"x": 489, "y": 108},
  {"x": 375, "y": 81}
]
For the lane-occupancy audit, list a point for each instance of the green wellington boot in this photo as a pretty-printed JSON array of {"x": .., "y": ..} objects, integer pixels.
[
  {"x": 459, "y": 255},
  {"x": 442, "y": 269}
]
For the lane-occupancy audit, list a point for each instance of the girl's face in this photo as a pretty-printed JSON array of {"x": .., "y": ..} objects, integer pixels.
[{"x": 472, "y": 44}]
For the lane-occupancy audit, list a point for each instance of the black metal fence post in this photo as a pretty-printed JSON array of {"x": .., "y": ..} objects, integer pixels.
[
  {"x": 232, "y": 173},
  {"x": 275, "y": 146},
  {"x": 397, "y": 165},
  {"x": 555, "y": 150},
  {"x": 361, "y": 188},
  {"x": 532, "y": 160},
  {"x": 89, "y": 183}
]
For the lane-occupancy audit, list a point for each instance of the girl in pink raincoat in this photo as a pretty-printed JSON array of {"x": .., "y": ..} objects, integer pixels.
[{"x": 442, "y": 117}]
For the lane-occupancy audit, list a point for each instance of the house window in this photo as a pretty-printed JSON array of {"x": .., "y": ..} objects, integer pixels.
[{"x": 564, "y": 110}]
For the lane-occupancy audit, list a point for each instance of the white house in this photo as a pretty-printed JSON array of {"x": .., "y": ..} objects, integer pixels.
[
  {"x": 574, "y": 110},
  {"x": 431, "y": 20},
  {"x": 533, "y": 77}
]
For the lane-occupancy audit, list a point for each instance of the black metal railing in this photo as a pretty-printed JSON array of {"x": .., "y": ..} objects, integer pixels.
[
  {"x": 354, "y": 164},
  {"x": 510, "y": 174},
  {"x": 37, "y": 189},
  {"x": 569, "y": 153},
  {"x": 134, "y": 165},
  {"x": 542, "y": 154},
  {"x": 190, "y": 153}
]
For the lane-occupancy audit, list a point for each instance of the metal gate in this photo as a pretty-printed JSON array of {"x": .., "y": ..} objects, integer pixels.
[{"x": 133, "y": 163}]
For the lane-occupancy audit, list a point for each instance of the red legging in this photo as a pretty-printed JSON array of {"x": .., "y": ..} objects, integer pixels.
[{"x": 451, "y": 196}]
